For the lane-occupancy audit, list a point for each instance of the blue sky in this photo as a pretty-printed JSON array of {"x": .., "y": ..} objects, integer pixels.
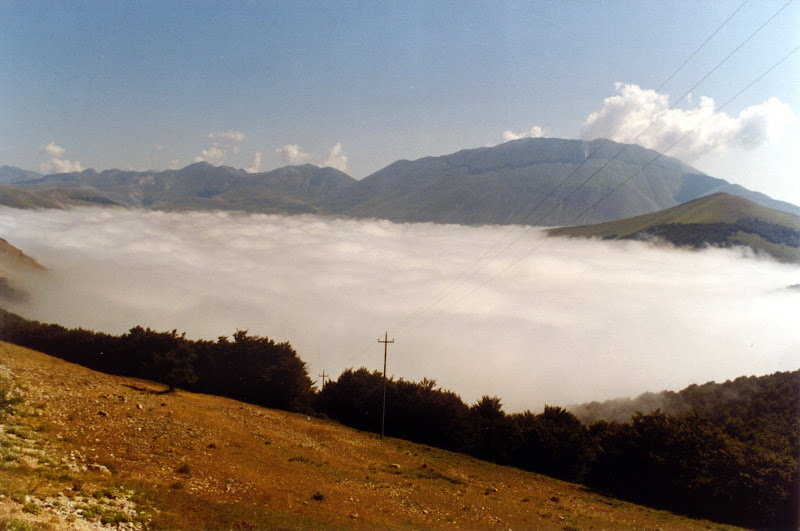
[{"x": 358, "y": 85}]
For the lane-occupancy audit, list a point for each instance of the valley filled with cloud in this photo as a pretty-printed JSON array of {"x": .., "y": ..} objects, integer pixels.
[{"x": 548, "y": 320}]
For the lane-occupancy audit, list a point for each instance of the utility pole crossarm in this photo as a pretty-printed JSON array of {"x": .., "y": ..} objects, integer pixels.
[{"x": 385, "y": 342}]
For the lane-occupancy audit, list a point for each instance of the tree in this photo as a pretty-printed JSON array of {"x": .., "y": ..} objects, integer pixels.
[
  {"x": 553, "y": 442},
  {"x": 176, "y": 367},
  {"x": 260, "y": 371},
  {"x": 491, "y": 431}
]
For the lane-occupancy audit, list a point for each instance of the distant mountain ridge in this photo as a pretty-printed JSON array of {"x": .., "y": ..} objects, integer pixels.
[
  {"x": 534, "y": 181},
  {"x": 520, "y": 182},
  {"x": 201, "y": 186}
]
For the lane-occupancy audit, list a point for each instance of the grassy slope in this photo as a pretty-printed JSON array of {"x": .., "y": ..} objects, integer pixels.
[
  {"x": 14, "y": 262},
  {"x": 55, "y": 198},
  {"x": 191, "y": 461},
  {"x": 710, "y": 209},
  {"x": 12, "y": 257},
  {"x": 714, "y": 208},
  {"x": 18, "y": 198}
]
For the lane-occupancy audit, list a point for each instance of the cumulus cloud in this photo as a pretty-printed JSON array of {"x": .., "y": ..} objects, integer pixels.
[
  {"x": 215, "y": 155},
  {"x": 227, "y": 136},
  {"x": 574, "y": 321},
  {"x": 336, "y": 158},
  {"x": 293, "y": 154},
  {"x": 54, "y": 150},
  {"x": 56, "y": 161},
  {"x": 256, "y": 164},
  {"x": 632, "y": 110},
  {"x": 534, "y": 132},
  {"x": 224, "y": 143},
  {"x": 175, "y": 164}
]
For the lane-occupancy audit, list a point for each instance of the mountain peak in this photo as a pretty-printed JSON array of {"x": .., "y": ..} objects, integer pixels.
[{"x": 200, "y": 164}]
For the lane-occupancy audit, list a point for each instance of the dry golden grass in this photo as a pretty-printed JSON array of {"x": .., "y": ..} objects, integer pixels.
[{"x": 191, "y": 461}]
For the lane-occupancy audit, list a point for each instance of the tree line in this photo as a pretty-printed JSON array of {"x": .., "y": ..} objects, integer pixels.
[
  {"x": 731, "y": 456},
  {"x": 254, "y": 369},
  {"x": 729, "y": 453},
  {"x": 718, "y": 233}
]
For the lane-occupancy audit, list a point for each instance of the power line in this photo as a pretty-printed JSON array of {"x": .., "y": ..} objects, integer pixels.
[
  {"x": 469, "y": 270},
  {"x": 620, "y": 185},
  {"x": 488, "y": 256},
  {"x": 385, "y": 342},
  {"x": 461, "y": 279}
]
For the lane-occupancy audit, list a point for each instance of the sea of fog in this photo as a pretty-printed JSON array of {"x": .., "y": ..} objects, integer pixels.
[{"x": 501, "y": 311}]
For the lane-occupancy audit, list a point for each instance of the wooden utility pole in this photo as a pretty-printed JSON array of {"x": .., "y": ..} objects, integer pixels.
[
  {"x": 323, "y": 376},
  {"x": 385, "y": 342}
]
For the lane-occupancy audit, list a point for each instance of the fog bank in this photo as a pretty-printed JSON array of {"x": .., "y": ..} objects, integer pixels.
[{"x": 572, "y": 321}]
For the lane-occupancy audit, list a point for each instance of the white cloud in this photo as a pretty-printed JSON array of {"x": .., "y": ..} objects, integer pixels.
[
  {"x": 215, "y": 155},
  {"x": 54, "y": 150},
  {"x": 293, "y": 154},
  {"x": 175, "y": 164},
  {"x": 534, "y": 132},
  {"x": 632, "y": 111},
  {"x": 574, "y": 321},
  {"x": 336, "y": 158},
  {"x": 56, "y": 162},
  {"x": 256, "y": 165},
  {"x": 225, "y": 142},
  {"x": 227, "y": 136}
]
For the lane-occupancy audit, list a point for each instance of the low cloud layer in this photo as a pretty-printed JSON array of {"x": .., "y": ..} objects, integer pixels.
[
  {"x": 55, "y": 161},
  {"x": 632, "y": 110},
  {"x": 572, "y": 321}
]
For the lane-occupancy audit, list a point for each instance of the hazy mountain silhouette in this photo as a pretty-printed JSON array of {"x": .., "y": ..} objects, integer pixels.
[
  {"x": 536, "y": 181},
  {"x": 518, "y": 182}
]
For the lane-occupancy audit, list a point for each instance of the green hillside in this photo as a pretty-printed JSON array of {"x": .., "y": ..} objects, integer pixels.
[{"x": 719, "y": 219}]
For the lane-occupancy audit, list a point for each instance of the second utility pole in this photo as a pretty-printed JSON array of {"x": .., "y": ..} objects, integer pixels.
[{"x": 385, "y": 342}]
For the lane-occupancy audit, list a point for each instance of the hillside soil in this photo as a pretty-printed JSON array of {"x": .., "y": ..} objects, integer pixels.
[{"x": 82, "y": 450}]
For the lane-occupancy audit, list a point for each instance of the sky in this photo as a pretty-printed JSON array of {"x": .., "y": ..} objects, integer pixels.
[
  {"x": 359, "y": 85},
  {"x": 553, "y": 321}
]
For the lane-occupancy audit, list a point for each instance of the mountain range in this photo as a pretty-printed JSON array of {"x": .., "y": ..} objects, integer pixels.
[{"x": 533, "y": 181}]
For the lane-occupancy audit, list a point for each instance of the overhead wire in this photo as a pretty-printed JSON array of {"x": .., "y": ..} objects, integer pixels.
[
  {"x": 631, "y": 177},
  {"x": 465, "y": 275},
  {"x": 470, "y": 271}
]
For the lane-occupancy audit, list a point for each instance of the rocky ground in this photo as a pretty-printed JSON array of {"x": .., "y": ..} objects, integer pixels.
[{"x": 82, "y": 450}]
